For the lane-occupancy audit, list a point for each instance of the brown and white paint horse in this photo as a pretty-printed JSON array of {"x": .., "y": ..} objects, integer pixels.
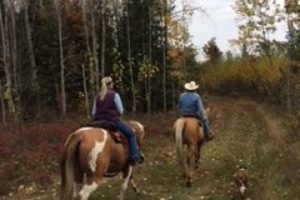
[
  {"x": 189, "y": 138},
  {"x": 89, "y": 155}
]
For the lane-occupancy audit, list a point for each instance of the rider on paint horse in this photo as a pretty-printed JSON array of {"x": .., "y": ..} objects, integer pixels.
[
  {"x": 190, "y": 105},
  {"x": 108, "y": 107}
]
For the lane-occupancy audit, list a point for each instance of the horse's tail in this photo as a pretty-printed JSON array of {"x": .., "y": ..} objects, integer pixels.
[
  {"x": 67, "y": 167},
  {"x": 179, "y": 128}
]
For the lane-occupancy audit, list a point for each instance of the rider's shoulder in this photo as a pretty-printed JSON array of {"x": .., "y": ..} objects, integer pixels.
[{"x": 196, "y": 94}]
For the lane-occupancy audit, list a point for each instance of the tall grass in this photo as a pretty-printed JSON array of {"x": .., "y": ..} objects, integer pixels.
[
  {"x": 245, "y": 76},
  {"x": 278, "y": 83}
]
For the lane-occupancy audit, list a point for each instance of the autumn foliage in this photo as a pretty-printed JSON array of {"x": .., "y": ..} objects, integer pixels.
[{"x": 31, "y": 153}]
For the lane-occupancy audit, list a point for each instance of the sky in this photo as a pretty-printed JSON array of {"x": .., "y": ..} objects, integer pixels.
[{"x": 220, "y": 23}]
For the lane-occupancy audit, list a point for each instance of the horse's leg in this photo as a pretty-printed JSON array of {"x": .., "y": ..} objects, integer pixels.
[
  {"x": 134, "y": 186},
  {"x": 92, "y": 180},
  {"x": 191, "y": 164},
  {"x": 125, "y": 184},
  {"x": 197, "y": 154},
  {"x": 132, "y": 183},
  {"x": 89, "y": 187},
  {"x": 78, "y": 181},
  {"x": 182, "y": 160},
  {"x": 77, "y": 188}
]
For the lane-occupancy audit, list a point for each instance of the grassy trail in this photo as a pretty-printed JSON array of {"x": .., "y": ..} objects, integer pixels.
[{"x": 248, "y": 134}]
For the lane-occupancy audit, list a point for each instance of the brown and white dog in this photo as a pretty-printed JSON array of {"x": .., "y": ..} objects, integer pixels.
[{"x": 241, "y": 180}]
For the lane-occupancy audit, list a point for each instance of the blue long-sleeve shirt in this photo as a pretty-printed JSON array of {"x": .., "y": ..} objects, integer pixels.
[{"x": 190, "y": 103}]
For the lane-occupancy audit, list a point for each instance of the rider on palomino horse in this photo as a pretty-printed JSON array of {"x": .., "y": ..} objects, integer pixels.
[
  {"x": 190, "y": 105},
  {"x": 108, "y": 107}
]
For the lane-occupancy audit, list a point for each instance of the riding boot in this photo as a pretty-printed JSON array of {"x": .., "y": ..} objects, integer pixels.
[{"x": 134, "y": 157}]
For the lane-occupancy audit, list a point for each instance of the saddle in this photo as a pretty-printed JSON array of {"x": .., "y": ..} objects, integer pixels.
[
  {"x": 111, "y": 128},
  {"x": 192, "y": 116}
]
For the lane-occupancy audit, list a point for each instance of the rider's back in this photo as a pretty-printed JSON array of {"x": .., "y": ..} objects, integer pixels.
[{"x": 188, "y": 103}]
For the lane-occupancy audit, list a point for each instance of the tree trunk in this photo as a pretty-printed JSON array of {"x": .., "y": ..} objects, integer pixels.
[
  {"x": 30, "y": 48},
  {"x": 62, "y": 66},
  {"x": 14, "y": 42},
  {"x": 5, "y": 51},
  {"x": 86, "y": 31},
  {"x": 86, "y": 94},
  {"x": 148, "y": 94},
  {"x": 103, "y": 36},
  {"x": 3, "y": 109},
  {"x": 173, "y": 96},
  {"x": 95, "y": 48},
  {"x": 34, "y": 81},
  {"x": 164, "y": 56},
  {"x": 90, "y": 62},
  {"x": 129, "y": 59},
  {"x": 88, "y": 48}
]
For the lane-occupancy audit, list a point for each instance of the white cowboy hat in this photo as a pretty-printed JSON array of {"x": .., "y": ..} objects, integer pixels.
[{"x": 191, "y": 86}]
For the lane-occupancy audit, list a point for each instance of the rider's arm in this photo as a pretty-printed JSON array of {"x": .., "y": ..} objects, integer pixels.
[
  {"x": 179, "y": 103},
  {"x": 200, "y": 106},
  {"x": 119, "y": 103}
]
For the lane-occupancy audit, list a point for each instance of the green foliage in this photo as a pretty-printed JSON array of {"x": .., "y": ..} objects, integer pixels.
[
  {"x": 212, "y": 51},
  {"x": 145, "y": 20},
  {"x": 258, "y": 19},
  {"x": 248, "y": 76},
  {"x": 147, "y": 70},
  {"x": 118, "y": 73}
]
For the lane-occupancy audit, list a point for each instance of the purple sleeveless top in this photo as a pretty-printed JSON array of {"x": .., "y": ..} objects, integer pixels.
[{"x": 106, "y": 109}]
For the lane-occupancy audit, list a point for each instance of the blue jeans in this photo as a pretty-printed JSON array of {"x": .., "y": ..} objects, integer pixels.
[
  {"x": 205, "y": 128},
  {"x": 133, "y": 151}
]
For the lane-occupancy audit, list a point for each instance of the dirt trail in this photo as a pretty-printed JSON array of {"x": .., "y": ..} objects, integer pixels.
[
  {"x": 273, "y": 123},
  {"x": 240, "y": 126}
]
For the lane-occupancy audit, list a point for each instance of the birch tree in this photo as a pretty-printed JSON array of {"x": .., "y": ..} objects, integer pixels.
[
  {"x": 165, "y": 42},
  {"x": 133, "y": 91},
  {"x": 61, "y": 52},
  {"x": 95, "y": 46},
  {"x": 85, "y": 7},
  {"x": 103, "y": 35},
  {"x": 34, "y": 82},
  {"x": 7, "y": 90},
  {"x": 293, "y": 16},
  {"x": 30, "y": 47},
  {"x": 86, "y": 94},
  {"x": 258, "y": 20}
]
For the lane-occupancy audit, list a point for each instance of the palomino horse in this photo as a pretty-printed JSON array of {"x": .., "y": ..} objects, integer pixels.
[
  {"x": 188, "y": 134},
  {"x": 90, "y": 154}
]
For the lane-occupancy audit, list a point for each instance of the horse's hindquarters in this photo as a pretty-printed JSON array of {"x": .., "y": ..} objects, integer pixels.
[
  {"x": 187, "y": 134},
  {"x": 192, "y": 131}
]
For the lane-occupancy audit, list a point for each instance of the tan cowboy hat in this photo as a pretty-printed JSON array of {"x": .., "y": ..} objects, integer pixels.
[{"x": 191, "y": 86}]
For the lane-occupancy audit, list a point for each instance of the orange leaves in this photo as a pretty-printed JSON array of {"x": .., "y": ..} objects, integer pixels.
[
  {"x": 147, "y": 70},
  {"x": 174, "y": 54},
  {"x": 245, "y": 76}
]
